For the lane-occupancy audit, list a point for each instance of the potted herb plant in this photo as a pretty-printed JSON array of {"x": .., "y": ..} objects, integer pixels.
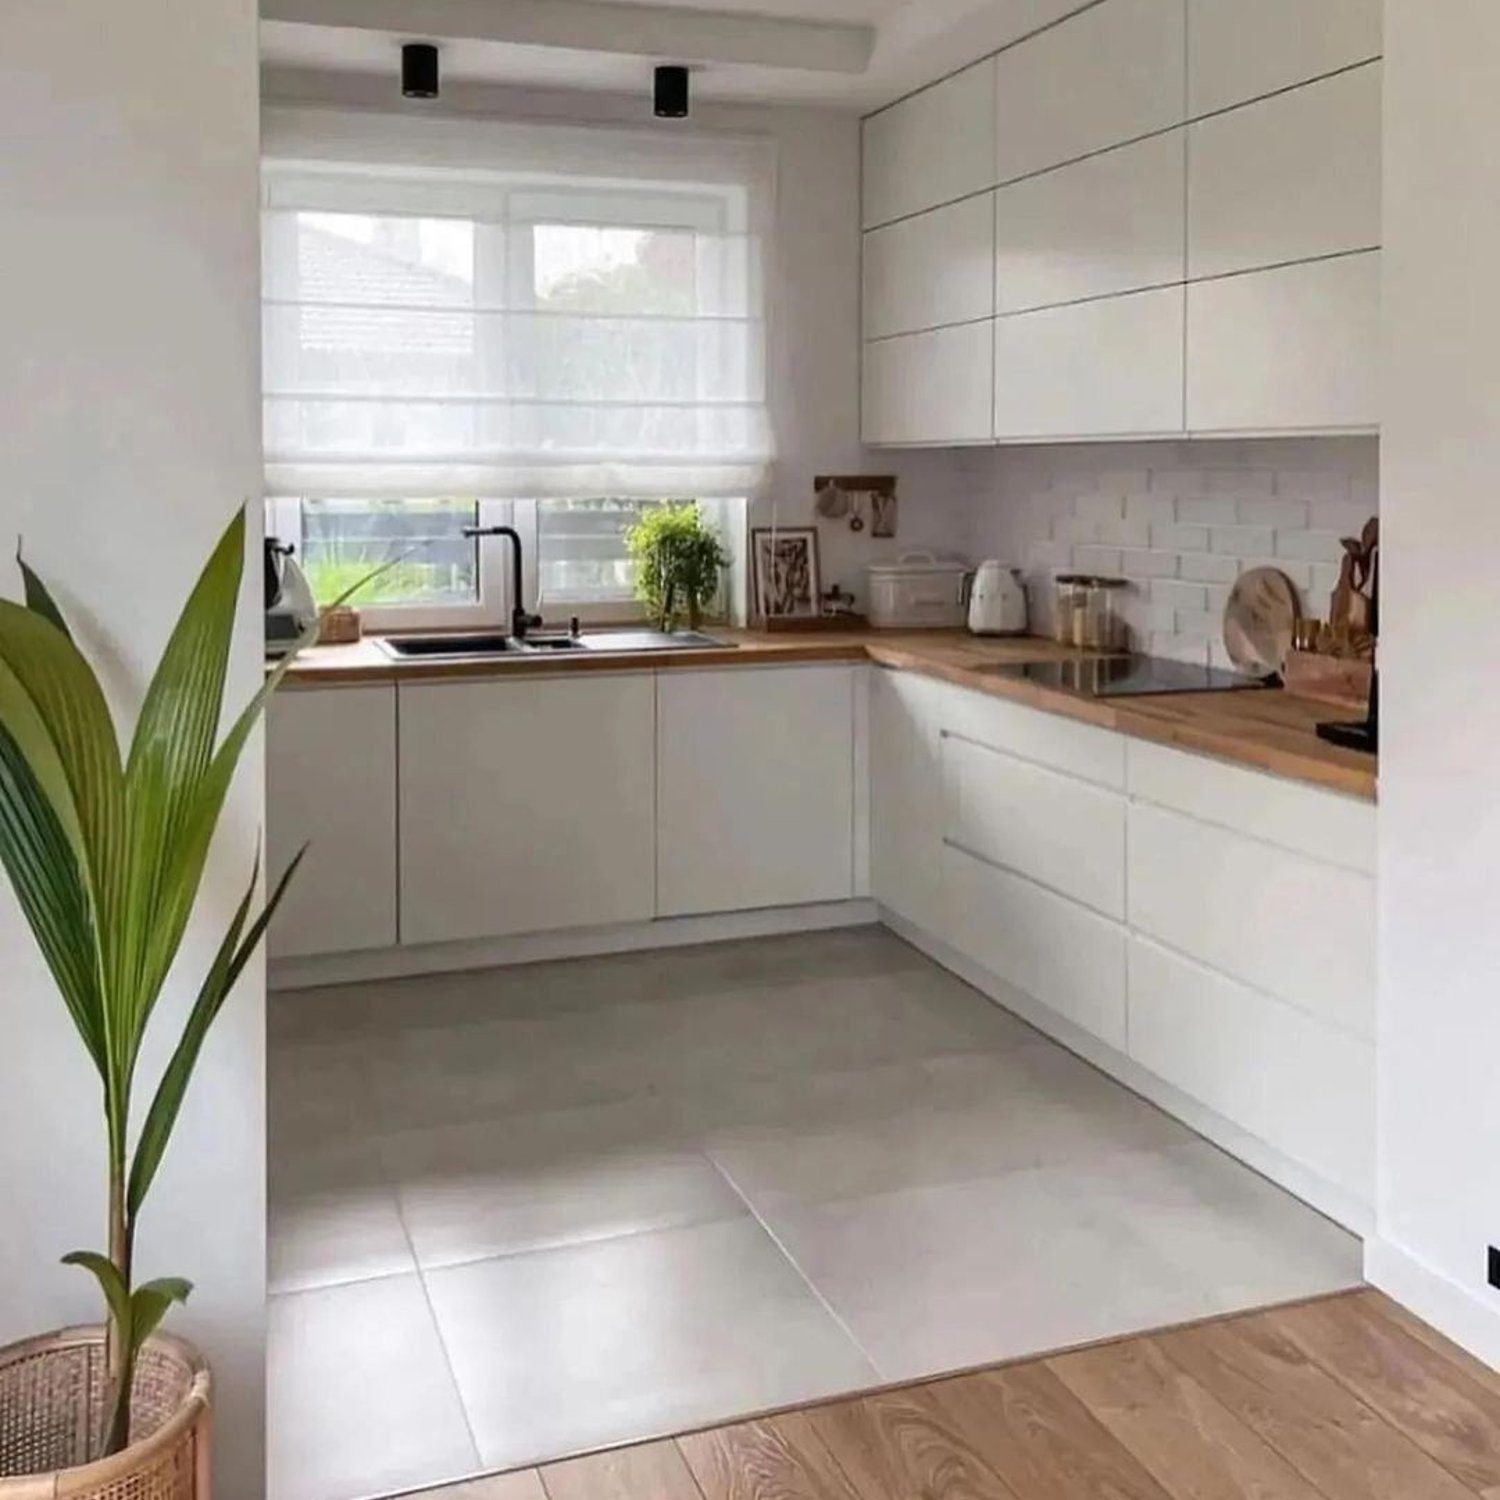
[
  {"x": 105, "y": 846},
  {"x": 680, "y": 560}
]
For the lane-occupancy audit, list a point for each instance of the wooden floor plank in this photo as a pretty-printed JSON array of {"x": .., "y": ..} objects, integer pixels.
[
  {"x": 525, "y": 1485},
  {"x": 1193, "y": 1446},
  {"x": 1342, "y": 1446},
  {"x": 902, "y": 1446},
  {"x": 1034, "y": 1431},
  {"x": 652, "y": 1471},
  {"x": 1443, "y": 1411},
  {"x": 1382, "y": 1306},
  {"x": 779, "y": 1459}
]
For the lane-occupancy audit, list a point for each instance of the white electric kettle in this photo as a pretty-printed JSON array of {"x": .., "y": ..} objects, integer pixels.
[{"x": 997, "y": 601}]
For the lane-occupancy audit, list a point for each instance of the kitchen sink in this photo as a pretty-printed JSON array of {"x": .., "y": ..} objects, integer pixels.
[{"x": 480, "y": 645}]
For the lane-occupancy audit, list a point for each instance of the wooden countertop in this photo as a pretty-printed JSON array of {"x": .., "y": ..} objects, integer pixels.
[{"x": 1268, "y": 731}]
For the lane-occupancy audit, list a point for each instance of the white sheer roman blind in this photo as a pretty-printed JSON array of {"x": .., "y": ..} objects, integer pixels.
[{"x": 512, "y": 311}]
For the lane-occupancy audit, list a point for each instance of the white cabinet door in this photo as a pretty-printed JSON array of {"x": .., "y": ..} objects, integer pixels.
[
  {"x": 331, "y": 784},
  {"x": 526, "y": 806},
  {"x": 1292, "y": 349},
  {"x": 934, "y": 147},
  {"x": 930, "y": 387},
  {"x": 1304, "y": 1089},
  {"x": 755, "y": 788},
  {"x": 1107, "y": 75},
  {"x": 1095, "y": 369},
  {"x": 906, "y": 796},
  {"x": 1244, "y": 49},
  {"x": 931, "y": 270},
  {"x": 1068, "y": 958},
  {"x": 1111, "y": 223},
  {"x": 1288, "y": 178}
]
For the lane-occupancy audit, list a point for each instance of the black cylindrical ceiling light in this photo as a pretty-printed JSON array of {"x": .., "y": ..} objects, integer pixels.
[
  {"x": 671, "y": 92},
  {"x": 419, "y": 71}
]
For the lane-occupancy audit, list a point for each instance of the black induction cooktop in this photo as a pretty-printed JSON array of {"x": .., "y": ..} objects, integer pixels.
[{"x": 1127, "y": 676}]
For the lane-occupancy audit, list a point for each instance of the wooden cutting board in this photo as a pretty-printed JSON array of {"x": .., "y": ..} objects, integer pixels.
[{"x": 1260, "y": 622}]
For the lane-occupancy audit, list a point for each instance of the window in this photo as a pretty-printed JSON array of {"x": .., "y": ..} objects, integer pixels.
[{"x": 565, "y": 324}]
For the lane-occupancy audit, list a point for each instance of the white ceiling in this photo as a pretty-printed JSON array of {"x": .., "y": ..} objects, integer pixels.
[{"x": 850, "y": 54}]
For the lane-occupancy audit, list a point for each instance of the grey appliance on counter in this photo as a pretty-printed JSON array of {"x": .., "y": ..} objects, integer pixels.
[{"x": 1126, "y": 676}]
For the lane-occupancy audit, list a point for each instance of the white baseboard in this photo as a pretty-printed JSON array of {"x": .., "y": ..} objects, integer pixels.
[
  {"x": 543, "y": 947},
  {"x": 1328, "y": 1198},
  {"x": 1470, "y": 1320}
]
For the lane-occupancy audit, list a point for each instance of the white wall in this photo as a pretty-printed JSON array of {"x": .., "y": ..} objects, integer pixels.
[
  {"x": 813, "y": 351},
  {"x": 129, "y": 430},
  {"x": 1439, "y": 1039}
]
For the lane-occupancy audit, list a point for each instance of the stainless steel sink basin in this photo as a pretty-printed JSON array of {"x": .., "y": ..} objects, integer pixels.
[{"x": 477, "y": 646}]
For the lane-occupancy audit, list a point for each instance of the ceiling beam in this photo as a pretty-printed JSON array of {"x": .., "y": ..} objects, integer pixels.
[{"x": 656, "y": 31}]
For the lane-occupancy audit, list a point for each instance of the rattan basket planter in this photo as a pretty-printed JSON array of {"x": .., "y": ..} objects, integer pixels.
[{"x": 52, "y": 1413}]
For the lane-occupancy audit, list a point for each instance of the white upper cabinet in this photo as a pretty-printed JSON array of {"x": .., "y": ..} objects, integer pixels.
[
  {"x": 1111, "y": 368},
  {"x": 1244, "y": 49},
  {"x": 932, "y": 148},
  {"x": 935, "y": 269},
  {"x": 1105, "y": 76},
  {"x": 1287, "y": 349},
  {"x": 1111, "y": 223},
  {"x": 930, "y": 387},
  {"x": 755, "y": 788},
  {"x": 1288, "y": 178}
]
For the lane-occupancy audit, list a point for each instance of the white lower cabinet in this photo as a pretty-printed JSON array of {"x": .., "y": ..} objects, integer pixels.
[
  {"x": 755, "y": 788},
  {"x": 331, "y": 785},
  {"x": 1306, "y": 1090},
  {"x": 1069, "y": 958},
  {"x": 526, "y": 806},
  {"x": 906, "y": 796}
]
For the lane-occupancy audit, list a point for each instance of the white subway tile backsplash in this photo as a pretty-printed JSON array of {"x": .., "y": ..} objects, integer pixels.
[
  {"x": 1178, "y": 594},
  {"x": 1180, "y": 538},
  {"x": 1206, "y": 567},
  {"x": 1182, "y": 520},
  {"x": 1280, "y": 515},
  {"x": 1201, "y": 510},
  {"x": 1242, "y": 541},
  {"x": 1144, "y": 563}
]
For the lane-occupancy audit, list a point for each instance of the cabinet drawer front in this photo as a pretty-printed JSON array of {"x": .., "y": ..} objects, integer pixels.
[
  {"x": 1300, "y": 929},
  {"x": 1107, "y": 75},
  {"x": 935, "y": 269},
  {"x": 936, "y": 146},
  {"x": 1292, "y": 177},
  {"x": 1109, "y": 224},
  {"x": 1302, "y": 1088},
  {"x": 1070, "y": 959},
  {"x": 1061, "y": 833},
  {"x": 1111, "y": 368},
  {"x": 1294, "y": 348},
  {"x": 1322, "y": 825},
  {"x": 1050, "y": 740},
  {"x": 331, "y": 785},
  {"x": 929, "y": 387},
  {"x": 1244, "y": 49}
]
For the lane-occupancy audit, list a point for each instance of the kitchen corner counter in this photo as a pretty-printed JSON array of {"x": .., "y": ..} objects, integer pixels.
[{"x": 1268, "y": 731}]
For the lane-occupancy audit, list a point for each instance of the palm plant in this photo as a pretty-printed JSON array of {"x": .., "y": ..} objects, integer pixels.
[{"x": 106, "y": 850}]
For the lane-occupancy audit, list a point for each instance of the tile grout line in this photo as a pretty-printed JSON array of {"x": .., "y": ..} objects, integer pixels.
[{"x": 791, "y": 1260}]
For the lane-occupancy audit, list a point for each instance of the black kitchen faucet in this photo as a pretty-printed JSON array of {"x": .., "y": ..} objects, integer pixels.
[{"x": 520, "y": 621}]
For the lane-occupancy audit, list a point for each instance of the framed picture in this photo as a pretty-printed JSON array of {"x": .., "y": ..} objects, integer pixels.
[{"x": 786, "y": 579}]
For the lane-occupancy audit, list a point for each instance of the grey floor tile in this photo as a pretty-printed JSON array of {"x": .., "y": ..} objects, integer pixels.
[
  {"x": 361, "y": 1400},
  {"x": 558, "y": 1177},
  {"x": 333, "y": 1217},
  {"x": 569, "y": 1349}
]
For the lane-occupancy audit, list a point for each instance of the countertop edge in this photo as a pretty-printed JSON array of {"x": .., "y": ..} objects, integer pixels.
[{"x": 1326, "y": 768}]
